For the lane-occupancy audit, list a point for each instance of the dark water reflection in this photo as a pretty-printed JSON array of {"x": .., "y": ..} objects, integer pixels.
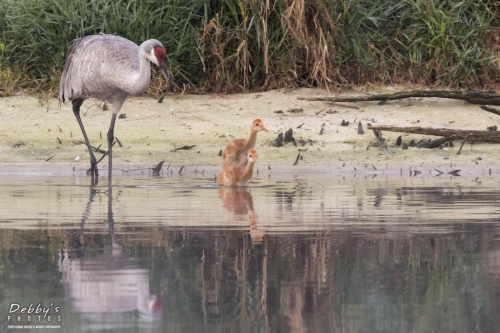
[{"x": 288, "y": 254}]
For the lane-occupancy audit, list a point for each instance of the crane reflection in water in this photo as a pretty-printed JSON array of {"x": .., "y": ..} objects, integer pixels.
[{"x": 110, "y": 290}]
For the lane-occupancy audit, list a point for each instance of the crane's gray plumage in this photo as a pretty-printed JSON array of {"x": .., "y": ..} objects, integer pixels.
[
  {"x": 110, "y": 68},
  {"x": 106, "y": 67}
]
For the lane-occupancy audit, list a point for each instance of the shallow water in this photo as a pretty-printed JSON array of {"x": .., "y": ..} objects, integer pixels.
[{"x": 290, "y": 253}]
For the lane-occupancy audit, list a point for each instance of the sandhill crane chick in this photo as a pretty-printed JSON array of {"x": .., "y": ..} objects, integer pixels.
[
  {"x": 238, "y": 175},
  {"x": 235, "y": 153}
]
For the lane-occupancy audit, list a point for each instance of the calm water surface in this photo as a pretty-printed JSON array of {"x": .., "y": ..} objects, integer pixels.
[{"x": 290, "y": 253}]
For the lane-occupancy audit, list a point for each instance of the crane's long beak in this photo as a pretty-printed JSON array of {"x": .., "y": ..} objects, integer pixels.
[{"x": 164, "y": 70}]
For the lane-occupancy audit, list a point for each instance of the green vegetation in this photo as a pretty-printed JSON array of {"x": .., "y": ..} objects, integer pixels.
[{"x": 231, "y": 46}]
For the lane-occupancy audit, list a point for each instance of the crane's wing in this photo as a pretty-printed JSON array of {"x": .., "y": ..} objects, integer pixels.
[
  {"x": 68, "y": 84},
  {"x": 94, "y": 64}
]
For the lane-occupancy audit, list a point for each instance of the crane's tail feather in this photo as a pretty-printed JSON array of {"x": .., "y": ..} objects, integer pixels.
[{"x": 66, "y": 83}]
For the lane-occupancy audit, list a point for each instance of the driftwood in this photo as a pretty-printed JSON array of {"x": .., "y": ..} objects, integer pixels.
[
  {"x": 490, "y": 109},
  {"x": 471, "y": 96},
  {"x": 471, "y": 135}
]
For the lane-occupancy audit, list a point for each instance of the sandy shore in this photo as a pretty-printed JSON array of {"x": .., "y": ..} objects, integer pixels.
[{"x": 40, "y": 135}]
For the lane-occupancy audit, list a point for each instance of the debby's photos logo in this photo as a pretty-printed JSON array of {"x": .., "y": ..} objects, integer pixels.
[{"x": 34, "y": 316}]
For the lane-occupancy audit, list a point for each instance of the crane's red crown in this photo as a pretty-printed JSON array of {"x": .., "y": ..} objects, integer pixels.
[{"x": 160, "y": 53}]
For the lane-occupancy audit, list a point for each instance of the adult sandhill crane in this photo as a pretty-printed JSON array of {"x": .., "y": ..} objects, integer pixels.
[{"x": 110, "y": 68}]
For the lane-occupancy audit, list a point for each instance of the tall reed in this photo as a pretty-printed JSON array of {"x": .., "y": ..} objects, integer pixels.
[
  {"x": 228, "y": 46},
  {"x": 40, "y": 31}
]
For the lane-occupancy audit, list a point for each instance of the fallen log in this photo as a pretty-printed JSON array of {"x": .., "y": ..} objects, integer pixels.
[
  {"x": 471, "y": 96},
  {"x": 471, "y": 135}
]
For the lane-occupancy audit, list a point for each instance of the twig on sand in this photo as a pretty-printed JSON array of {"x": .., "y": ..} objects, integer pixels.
[
  {"x": 118, "y": 141},
  {"x": 344, "y": 105},
  {"x": 185, "y": 147},
  {"x": 105, "y": 153},
  {"x": 297, "y": 159},
  {"x": 97, "y": 150},
  {"x": 461, "y": 146}
]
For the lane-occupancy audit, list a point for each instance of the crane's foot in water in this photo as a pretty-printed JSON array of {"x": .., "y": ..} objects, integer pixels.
[
  {"x": 93, "y": 165},
  {"x": 94, "y": 175},
  {"x": 93, "y": 172}
]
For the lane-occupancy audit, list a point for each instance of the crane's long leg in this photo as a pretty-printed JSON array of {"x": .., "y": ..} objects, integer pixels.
[
  {"x": 117, "y": 105},
  {"x": 110, "y": 145},
  {"x": 77, "y": 103}
]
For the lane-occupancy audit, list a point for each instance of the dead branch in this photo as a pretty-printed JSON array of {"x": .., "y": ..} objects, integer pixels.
[
  {"x": 471, "y": 96},
  {"x": 472, "y": 135},
  {"x": 462, "y": 145},
  {"x": 490, "y": 109},
  {"x": 297, "y": 159}
]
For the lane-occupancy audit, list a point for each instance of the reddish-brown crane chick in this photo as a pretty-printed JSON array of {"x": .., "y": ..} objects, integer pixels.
[
  {"x": 236, "y": 151},
  {"x": 238, "y": 175}
]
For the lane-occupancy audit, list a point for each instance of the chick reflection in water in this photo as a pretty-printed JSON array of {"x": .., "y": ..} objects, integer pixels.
[
  {"x": 239, "y": 202},
  {"x": 108, "y": 289}
]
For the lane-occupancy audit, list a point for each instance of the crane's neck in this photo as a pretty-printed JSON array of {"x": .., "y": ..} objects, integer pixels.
[
  {"x": 249, "y": 171},
  {"x": 252, "y": 139},
  {"x": 139, "y": 80}
]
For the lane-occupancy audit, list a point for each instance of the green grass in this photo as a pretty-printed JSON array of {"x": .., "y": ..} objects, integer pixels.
[{"x": 229, "y": 46}]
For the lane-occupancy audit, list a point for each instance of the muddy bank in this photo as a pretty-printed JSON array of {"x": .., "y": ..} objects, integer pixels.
[{"x": 39, "y": 135}]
